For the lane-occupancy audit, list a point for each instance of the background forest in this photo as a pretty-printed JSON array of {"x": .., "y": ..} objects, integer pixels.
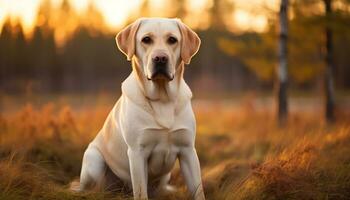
[{"x": 68, "y": 51}]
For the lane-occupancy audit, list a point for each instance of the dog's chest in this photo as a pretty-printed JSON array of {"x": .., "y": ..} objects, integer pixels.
[
  {"x": 162, "y": 159},
  {"x": 163, "y": 148}
]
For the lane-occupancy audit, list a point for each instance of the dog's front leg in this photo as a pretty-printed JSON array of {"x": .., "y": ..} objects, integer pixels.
[
  {"x": 138, "y": 171},
  {"x": 191, "y": 171}
]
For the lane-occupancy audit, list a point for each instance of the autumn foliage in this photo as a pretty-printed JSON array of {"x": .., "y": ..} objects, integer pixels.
[{"x": 243, "y": 154}]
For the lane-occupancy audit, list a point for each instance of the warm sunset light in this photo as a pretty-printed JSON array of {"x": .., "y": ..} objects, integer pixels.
[
  {"x": 245, "y": 21},
  {"x": 25, "y": 12},
  {"x": 174, "y": 99},
  {"x": 115, "y": 13}
]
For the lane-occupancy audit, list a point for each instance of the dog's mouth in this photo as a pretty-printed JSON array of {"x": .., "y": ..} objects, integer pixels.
[{"x": 161, "y": 74}]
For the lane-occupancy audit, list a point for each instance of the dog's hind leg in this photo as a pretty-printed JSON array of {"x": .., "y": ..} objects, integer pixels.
[{"x": 92, "y": 171}]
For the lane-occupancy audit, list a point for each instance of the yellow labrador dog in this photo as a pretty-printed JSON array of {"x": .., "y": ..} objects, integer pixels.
[{"x": 152, "y": 124}]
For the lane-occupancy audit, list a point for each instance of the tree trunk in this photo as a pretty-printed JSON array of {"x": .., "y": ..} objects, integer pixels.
[
  {"x": 329, "y": 87},
  {"x": 282, "y": 68}
]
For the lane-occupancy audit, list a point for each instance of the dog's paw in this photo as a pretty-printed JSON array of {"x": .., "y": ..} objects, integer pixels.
[
  {"x": 75, "y": 186},
  {"x": 167, "y": 189},
  {"x": 170, "y": 188}
]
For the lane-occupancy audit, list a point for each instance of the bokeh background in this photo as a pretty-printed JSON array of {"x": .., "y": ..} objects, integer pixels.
[
  {"x": 50, "y": 46},
  {"x": 261, "y": 133}
]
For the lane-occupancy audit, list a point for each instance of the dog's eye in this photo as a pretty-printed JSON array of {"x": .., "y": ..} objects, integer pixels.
[
  {"x": 147, "y": 40},
  {"x": 172, "y": 40}
]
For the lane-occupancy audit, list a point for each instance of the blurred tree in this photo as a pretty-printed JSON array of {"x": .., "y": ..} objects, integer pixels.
[
  {"x": 66, "y": 21},
  {"x": 305, "y": 56},
  {"x": 5, "y": 49},
  {"x": 93, "y": 20},
  {"x": 213, "y": 63},
  {"x": 220, "y": 14},
  {"x": 181, "y": 10},
  {"x": 329, "y": 85},
  {"x": 282, "y": 68},
  {"x": 70, "y": 51},
  {"x": 19, "y": 52},
  {"x": 257, "y": 51},
  {"x": 334, "y": 22},
  {"x": 305, "y": 42},
  {"x": 13, "y": 53},
  {"x": 44, "y": 51}
]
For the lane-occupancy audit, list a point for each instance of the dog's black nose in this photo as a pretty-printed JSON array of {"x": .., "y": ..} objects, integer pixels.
[{"x": 160, "y": 59}]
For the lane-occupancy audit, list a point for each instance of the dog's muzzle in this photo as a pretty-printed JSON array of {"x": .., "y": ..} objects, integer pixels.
[{"x": 160, "y": 69}]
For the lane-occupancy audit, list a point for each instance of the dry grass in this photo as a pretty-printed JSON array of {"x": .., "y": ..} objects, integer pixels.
[{"x": 243, "y": 154}]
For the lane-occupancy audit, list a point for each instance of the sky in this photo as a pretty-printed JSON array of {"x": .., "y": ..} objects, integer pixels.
[{"x": 248, "y": 15}]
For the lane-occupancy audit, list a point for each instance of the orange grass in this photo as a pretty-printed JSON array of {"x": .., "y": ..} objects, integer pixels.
[{"x": 243, "y": 154}]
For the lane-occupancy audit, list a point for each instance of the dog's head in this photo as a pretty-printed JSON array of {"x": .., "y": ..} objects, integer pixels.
[{"x": 159, "y": 46}]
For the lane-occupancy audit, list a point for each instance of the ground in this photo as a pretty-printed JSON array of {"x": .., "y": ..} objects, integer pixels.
[{"x": 244, "y": 154}]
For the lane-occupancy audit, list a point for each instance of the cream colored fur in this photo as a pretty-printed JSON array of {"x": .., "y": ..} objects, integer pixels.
[{"x": 152, "y": 125}]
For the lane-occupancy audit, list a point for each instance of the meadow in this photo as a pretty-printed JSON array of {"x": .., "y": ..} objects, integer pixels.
[{"x": 244, "y": 154}]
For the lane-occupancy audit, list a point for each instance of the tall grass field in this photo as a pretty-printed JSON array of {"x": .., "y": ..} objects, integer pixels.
[{"x": 243, "y": 153}]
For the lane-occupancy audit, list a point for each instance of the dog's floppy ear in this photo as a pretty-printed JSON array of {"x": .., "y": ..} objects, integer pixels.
[
  {"x": 190, "y": 42},
  {"x": 126, "y": 39}
]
